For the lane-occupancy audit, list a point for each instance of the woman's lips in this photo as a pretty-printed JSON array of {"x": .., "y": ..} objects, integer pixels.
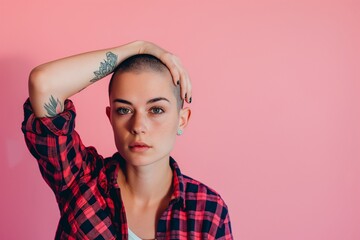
[{"x": 139, "y": 147}]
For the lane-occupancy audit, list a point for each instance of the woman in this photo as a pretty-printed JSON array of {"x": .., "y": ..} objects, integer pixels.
[{"x": 139, "y": 192}]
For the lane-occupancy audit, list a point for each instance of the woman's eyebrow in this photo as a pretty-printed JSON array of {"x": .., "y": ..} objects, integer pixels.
[
  {"x": 122, "y": 101},
  {"x": 153, "y": 100},
  {"x": 157, "y": 99}
]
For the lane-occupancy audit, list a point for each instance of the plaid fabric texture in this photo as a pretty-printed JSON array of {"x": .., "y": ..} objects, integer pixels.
[{"x": 88, "y": 196}]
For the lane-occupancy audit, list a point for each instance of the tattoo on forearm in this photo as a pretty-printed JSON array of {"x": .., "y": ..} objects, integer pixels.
[
  {"x": 106, "y": 67},
  {"x": 54, "y": 107}
]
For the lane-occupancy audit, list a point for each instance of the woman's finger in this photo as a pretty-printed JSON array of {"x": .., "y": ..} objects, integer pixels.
[
  {"x": 170, "y": 61},
  {"x": 189, "y": 89},
  {"x": 178, "y": 73}
]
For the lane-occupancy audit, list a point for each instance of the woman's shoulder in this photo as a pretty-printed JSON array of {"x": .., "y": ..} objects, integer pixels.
[
  {"x": 195, "y": 186},
  {"x": 199, "y": 192}
]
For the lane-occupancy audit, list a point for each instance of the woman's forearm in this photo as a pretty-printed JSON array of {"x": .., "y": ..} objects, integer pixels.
[{"x": 53, "y": 82}]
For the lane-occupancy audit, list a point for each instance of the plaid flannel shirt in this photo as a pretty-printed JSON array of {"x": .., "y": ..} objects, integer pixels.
[{"x": 88, "y": 195}]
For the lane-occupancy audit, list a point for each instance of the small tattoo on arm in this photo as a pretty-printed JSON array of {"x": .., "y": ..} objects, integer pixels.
[
  {"x": 106, "y": 67},
  {"x": 54, "y": 107}
]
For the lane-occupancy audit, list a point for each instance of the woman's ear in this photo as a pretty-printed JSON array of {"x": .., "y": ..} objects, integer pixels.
[
  {"x": 108, "y": 109},
  {"x": 185, "y": 114}
]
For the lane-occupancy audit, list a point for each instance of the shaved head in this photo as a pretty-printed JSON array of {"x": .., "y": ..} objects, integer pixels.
[{"x": 144, "y": 62}]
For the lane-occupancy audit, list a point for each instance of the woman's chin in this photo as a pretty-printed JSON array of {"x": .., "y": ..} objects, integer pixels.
[{"x": 141, "y": 161}]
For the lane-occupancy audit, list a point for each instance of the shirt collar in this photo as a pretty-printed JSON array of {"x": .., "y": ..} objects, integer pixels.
[
  {"x": 178, "y": 183},
  {"x": 178, "y": 179}
]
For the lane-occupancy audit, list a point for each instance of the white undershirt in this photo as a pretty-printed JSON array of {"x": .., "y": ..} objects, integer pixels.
[{"x": 132, "y": 235}]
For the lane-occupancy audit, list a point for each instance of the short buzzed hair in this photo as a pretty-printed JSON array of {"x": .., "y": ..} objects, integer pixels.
[{"x": 143, "y": 62}]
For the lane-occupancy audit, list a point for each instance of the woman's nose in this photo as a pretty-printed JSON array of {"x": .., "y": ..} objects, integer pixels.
[{"x": 138, "y": 124}]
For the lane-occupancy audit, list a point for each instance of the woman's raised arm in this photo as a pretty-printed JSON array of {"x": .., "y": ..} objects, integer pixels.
[{"x": 53, "y": 82}]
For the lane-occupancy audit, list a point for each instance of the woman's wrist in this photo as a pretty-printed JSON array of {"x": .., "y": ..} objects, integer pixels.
[{"x": 130, "y": 49}]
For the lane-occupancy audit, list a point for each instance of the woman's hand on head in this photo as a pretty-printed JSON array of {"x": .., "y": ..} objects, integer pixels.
[{"x": 173, "y": 63}]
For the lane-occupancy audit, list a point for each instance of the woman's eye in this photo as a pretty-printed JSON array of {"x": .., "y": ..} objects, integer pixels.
[
  {"x": 156, "y": 110},
  {"x": 123, "y": 111}
]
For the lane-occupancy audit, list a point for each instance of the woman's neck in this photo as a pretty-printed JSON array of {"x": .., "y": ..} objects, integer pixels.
[{"x": 146, "y": 185}]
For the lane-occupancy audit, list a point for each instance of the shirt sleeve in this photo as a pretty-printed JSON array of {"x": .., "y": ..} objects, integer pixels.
[
  {"x": 62, "y": 157},
  {"x": 224, "y": 231}
]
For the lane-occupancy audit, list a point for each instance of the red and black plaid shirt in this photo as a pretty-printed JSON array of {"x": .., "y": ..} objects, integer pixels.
[{"x": 88, "y": 195}]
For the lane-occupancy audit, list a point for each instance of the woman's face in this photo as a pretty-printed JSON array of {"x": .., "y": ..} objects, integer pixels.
[{"x": 144, "y": 116}]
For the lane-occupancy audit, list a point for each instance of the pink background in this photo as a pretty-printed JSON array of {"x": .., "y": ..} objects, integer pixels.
[{"x": 275, "y": 125}]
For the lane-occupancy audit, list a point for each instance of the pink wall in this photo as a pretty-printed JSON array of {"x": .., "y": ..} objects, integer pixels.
[{"x": 275, "y": 126}]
